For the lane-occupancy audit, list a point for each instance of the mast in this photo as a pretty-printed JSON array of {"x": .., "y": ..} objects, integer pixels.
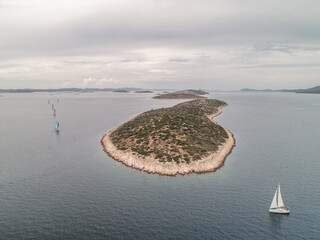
[{"x": 280, "y": 202}]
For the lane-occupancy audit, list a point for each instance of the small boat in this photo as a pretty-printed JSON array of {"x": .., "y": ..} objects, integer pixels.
[
  {"x": 57, "y": 126},
  {"x": 277, "y": 205},
  {"x": 54, "y": 112}
]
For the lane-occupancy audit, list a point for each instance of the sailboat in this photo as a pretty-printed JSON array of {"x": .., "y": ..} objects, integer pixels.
[
  {"x": 57, "y": 126},
  {"x": 277, "y": 205}
]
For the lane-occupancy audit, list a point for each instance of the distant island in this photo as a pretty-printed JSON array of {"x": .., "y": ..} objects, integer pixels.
[
  {"x": 308, "y": 90},
  {"x": 81, "y": 90},
  {"x": 170, "y": 141},
  {"x": 185, "y": 94},
  {"x": 143, "y": 91},
  {"x": 121, "y": 91}
]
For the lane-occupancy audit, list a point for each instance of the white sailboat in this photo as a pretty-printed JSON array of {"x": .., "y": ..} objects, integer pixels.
[
  {"x": 277, "y": 205},
  {"x": 57, "y": 126}
]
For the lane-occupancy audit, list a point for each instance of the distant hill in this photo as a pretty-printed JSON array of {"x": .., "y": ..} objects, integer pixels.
[
  {"x": 129, "y": 89},
  {"x": 30, "y": 90},
  {"x": 143, "y": 91},
  {"x": 121, "y": 91},
  {"x": 199, "y": 92},
  {"x": 309, "y": 90},
  {"x": 185, "y": 94},
  {"x": 268, "y": 90}
]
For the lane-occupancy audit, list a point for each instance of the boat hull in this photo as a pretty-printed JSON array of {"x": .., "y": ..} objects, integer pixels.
[{"x": 279, "y": 210}]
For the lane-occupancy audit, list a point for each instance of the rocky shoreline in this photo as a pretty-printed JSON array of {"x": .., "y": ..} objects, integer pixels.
[{"x": 207, "y": 164}]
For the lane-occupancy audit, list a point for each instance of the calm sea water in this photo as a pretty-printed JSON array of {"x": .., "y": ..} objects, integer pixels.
[{"x": 63, "y": 186}]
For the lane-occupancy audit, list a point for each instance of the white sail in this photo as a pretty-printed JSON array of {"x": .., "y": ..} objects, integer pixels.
[
  {"x": 277, "y": 205},
  {"x": 280, "y": 202},
  {"x": 274, "y": 201}
]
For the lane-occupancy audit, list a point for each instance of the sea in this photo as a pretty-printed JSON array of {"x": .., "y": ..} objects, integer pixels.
[{"x": 62, "y": 185}]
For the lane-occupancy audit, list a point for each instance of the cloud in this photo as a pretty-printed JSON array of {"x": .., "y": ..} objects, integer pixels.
[
  {"x": 146, "y": 42},
  {"x": 182, "y": 60},
  {"x": 98, "y": 83},
  {"x": 93, "y": 26},
  {"x": 165, "y": 71}
]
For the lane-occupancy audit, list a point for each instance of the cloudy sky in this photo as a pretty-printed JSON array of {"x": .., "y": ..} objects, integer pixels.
[{"x": 208, "y": 44}]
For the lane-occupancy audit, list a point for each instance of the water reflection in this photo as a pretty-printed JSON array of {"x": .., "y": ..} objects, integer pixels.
[{"x": 275, "y": 223}]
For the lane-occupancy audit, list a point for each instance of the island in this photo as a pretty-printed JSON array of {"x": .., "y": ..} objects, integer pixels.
[
  {"x": 121, "y": 91},
  {"x": 185, "y": 94},
  {"x": 77, "y": 90},
  {"x": 313, "y": 90},
  {"x": 178, "y": 140},
  {"x": 143, "y": 91}
]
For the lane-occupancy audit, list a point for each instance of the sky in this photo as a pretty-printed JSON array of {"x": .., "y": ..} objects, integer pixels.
[{"x": 177, "y": 44}]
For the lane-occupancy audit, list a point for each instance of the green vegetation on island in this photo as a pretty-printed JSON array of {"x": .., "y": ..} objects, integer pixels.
[
  {"x": 186, "y": 94},
  {"x": 182, "y": 133}
]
